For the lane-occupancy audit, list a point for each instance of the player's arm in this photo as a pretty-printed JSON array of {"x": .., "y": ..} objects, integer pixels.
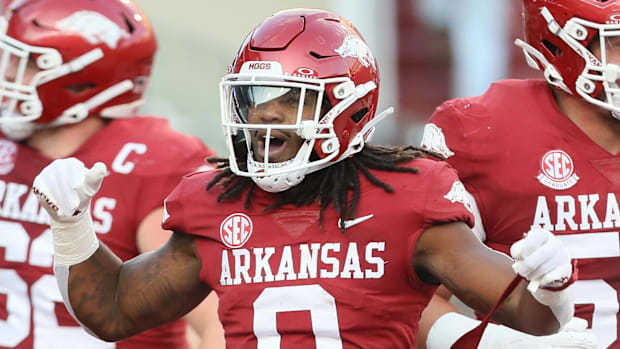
[
  {"x": 441, "y": 325},
  {"x": 114, "y": 300},
  {"x": 436, "y": 308},
  {"x": 117, "y": 300},
  {"x": 451, "y": 254},
  {"x": 203, "y": 319}
]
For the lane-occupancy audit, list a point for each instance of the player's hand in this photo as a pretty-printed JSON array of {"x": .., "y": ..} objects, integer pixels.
[
  {"x": 65, "y": 188},
  {"x": 542, "y": 259}
]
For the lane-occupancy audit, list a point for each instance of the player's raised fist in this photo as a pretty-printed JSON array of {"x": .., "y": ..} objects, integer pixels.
[
  {"x": 65, "y": 187},
  {"x": 542, "y": 259}
]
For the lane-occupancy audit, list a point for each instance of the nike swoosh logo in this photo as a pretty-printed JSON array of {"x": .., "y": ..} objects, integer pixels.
[{"x": 351, "y": 222}]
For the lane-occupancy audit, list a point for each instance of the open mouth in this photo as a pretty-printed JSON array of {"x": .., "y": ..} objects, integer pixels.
[{"x": 277, "y": 146}]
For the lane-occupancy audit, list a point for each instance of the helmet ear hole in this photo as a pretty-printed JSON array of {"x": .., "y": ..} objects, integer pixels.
[
  {"x": 130, "y": 26},
  {"x": 359, "y": 115},
  {"x": 80, "y": 88},
  {"x": 553, "y": 50}
]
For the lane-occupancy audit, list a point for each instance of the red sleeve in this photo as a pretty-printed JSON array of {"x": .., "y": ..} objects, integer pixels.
[
  {"x": 445, "y": 199},
  {"x": 159, "y": 181},
  {"x": 450, "y": 131},
  {"x": 465, "y": 129},
  {"x": 173, "y": 209},
  {"x": 442, "y": 201}
]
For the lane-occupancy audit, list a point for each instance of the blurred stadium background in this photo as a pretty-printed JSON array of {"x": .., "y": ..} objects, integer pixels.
[{"x": 428, "y": 51}]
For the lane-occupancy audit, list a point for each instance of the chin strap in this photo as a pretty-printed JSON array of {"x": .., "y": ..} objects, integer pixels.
[{"x": 283, "y": 181}]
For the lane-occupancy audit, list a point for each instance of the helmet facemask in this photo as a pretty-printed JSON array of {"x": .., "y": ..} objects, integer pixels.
[
  {"x": 22, "y": 69},
  {"x": 280, "y": 149},
  {"x": 598, "y": 82},
  {"x": 602, "y": 69},
  {"x": 607, "y": 73},
  {"x": 279, "y": 120}
]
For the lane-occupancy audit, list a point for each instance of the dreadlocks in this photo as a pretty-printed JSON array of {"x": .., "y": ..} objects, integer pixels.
[{"x": 329, "y": 185}]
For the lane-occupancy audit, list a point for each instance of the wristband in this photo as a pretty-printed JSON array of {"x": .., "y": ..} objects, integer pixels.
[{"x": 74, "y": 242}]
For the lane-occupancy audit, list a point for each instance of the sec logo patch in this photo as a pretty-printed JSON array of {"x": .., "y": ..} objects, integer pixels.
[
  {"x": 236, "y": 230},
  {"x": 557, "y": 170}
]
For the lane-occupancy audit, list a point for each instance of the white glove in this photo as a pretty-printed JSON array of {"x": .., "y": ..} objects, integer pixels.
[
  {"x": 65, "y": 188},
  {"x": 572, "y": 336},
  {"x": 451, "y": 326},
  {"x": 541, "y": 256},
  {"x": 542, "y": 259}
]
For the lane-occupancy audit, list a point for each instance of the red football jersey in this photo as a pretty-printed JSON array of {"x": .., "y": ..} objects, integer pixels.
[
  {"x": 527, "y": 165},
  {"x": 145, "y": 160},
  {"x": 283, "y": 282}
]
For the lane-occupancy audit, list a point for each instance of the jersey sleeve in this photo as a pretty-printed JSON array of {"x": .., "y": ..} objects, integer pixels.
[
  {"x": 446, "y": 198},
  {"x": 444, "y": 132},
  {"x": 462, "y": 131},
  {"x": 189, "y": 208},
  {"x": 173, "y": 208},
  {"x": 467, "y": 131},
  {"x": 443, "y": 200},
  {"x": 156, "y": 184}
]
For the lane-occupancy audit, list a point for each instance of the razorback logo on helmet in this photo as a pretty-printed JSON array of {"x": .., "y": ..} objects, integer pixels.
[
  {"x": 352, "y": 46},
  {"x": 94, "y": 27},
  {"x": 434, "y": 140},
  {"x": 8, "y": 155},
  {"x": 458, "y": 193},
  {"x": 236, "y": 230},
  {"x": 557, "y": 170}
]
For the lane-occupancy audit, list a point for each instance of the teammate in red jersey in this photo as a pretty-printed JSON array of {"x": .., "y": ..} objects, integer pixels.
[
  {"x": 537, "y": 153},
  {"x": 297, "y": 110},
  {"x": 72, "y": 74}
]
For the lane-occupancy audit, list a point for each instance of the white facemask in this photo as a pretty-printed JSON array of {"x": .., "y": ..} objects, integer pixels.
[
  {"x": 279, "y": 182},
  {"x": 615, "y": 100}
]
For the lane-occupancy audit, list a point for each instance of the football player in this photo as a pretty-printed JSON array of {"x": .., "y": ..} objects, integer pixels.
[
  {"x": 72, "y": 74},
  {"x": 544, "y": 154},
  {"x": 298, "y": 107}
]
